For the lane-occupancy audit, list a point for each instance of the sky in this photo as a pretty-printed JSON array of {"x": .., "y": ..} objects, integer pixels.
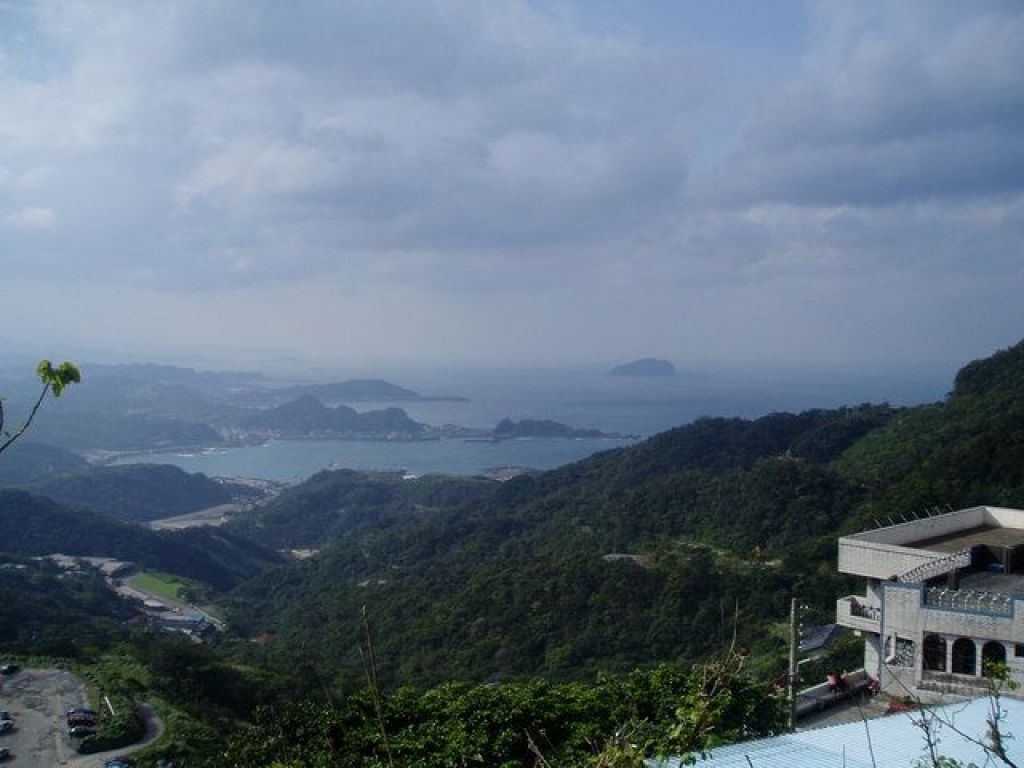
[{"x": 547, "y": 183}]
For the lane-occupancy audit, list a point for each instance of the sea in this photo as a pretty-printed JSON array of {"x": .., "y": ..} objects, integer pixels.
[{"x": 633, "y": 408}]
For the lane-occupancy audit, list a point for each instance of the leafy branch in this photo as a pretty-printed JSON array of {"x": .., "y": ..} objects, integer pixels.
[{"x": 55, "y": 381}]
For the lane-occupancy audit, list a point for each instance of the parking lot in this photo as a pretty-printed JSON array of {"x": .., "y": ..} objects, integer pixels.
[{"x": 38, "y": 700}]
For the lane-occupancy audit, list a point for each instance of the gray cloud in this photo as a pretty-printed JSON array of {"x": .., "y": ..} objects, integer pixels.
[
  {"x": 472, "y": 171},
  {"x": 895, "y": 109},
  {"x": 201, "y": 144}
]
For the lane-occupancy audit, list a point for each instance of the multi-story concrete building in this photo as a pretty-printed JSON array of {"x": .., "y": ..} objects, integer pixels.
[{"x": 945, "y": 595}]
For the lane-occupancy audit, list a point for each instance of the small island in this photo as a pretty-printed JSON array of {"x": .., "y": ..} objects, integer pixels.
[
  {"x": 648, "y": 367},
  {"x": 508, "y": 430}
]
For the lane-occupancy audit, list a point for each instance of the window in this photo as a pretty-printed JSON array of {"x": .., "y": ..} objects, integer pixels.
[
  {"x": 1018, "y": 650},
  {"x": 965, "y": 657},
  {"x": 934, "y": 653}
]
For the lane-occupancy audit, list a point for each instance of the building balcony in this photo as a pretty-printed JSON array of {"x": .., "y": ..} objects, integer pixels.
[{"x": 856, "y": 612}]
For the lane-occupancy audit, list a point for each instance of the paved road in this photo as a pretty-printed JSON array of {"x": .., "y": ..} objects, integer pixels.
[{"x": 37, "y": 700}]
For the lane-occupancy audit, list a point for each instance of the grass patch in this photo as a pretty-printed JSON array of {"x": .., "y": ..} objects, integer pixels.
[
  {"x": 162, "y": 585},
  {"x": 176, "y": 589}
]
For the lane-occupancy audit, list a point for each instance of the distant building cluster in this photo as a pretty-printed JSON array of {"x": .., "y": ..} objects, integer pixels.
[{"x": 153, "y": 612}]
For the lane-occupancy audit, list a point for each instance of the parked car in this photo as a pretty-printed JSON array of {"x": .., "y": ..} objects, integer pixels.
[
  {"x": 5, "y": 753},
  {"x": 119, "y": 762},
  {"x": 9, "y": 669},
  {"x": 81, "y": 711},
  {"x": 5, "y": 726},
  {"x": 81, "y": 731},
  {"x": 5, "y": 715}
]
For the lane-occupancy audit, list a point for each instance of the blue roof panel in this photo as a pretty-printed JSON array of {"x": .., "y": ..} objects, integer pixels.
[{"x": 895, "y": 741}]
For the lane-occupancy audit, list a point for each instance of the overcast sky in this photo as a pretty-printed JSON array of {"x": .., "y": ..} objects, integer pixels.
[{"x": 538, "y": 183}]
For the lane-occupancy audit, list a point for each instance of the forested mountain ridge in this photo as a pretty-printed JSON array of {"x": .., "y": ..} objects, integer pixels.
[
  {"x": 634, "y": 555},
  {"x": 134, "y": 492},
  {"x": 334, "y": 503}
]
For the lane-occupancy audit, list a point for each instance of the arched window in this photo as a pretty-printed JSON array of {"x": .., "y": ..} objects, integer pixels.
[
  {"x": 934, "y": 653},
  {"x": 965, "y": 657},
  {"x": 992, "y": 653}
]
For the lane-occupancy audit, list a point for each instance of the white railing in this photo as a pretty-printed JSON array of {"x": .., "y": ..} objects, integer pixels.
[{"x": 992, "y": 603}]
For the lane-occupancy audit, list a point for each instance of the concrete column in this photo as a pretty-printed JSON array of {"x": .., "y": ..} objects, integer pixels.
[
  {"x": 977, "y": 656},
  {"x": 949, "y": 653}
]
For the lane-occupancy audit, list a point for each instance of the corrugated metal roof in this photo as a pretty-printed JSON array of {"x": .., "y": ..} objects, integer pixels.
[{"x": 896, "y": 742}]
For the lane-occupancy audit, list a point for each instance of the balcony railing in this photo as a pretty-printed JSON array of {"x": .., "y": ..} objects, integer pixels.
[
  {"x": 856, "y": 613},
  {"x": 976, "y": 601}
]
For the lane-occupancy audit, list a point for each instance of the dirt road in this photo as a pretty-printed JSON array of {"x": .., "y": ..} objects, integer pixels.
[{"x": 38, "y": 700}]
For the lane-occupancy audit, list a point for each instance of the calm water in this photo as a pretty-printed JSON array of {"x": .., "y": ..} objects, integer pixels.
[
  {"x": 583, "y": 400},
  {"x": 295, "y": 460}
]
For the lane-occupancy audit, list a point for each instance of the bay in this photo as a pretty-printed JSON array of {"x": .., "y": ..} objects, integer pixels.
[
  {"x": 580, "y": 399},
  {"x": 291, "y": 461}
]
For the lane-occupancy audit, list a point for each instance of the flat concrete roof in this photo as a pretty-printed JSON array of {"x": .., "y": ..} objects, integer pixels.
[{"x": 987, "y": 535}]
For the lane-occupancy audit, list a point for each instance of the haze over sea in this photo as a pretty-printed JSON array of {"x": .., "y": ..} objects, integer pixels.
[{"x": 582, "y": 399}]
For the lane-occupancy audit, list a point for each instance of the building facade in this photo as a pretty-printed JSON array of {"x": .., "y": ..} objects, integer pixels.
[{"x": 944, "y": 596}]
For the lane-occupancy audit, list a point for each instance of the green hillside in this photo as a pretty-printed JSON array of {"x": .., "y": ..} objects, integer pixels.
[
  {"x": 332, "y": 504},
  {"x": 637, "y": 555},
  {"x": 55, "y": 613},
  {"x": 36, "y": 525},
  {"x": 134, "y": 492}
]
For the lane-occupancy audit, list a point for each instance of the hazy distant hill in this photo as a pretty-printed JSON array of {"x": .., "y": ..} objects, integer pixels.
[
  {"x": 93, "y": 430},
  {"x": 507, "y": 429},
  {"x": 648, "y": 367},
  {"x": 308, "y": 417},
  {"x": 25, "y": 462},
  {"x": 356, "y": 390}
]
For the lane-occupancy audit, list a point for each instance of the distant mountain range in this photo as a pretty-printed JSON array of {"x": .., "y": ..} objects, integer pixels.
[
  {"x": 364, "y": 390},
  {"x": 126, "y": 408}
]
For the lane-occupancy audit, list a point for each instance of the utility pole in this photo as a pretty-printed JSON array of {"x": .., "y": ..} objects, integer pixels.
[{"x": 794, "y": 644}]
